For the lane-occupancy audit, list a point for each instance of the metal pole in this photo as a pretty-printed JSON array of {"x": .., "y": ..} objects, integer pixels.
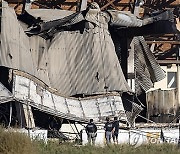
[
  {"x": 179, "y": 138},
  {"x": 178, "y": 87},
  {"x": 28, "y": 119},
  {"x": 178, "y": 76},
  {"x": 10, "y": 114}
]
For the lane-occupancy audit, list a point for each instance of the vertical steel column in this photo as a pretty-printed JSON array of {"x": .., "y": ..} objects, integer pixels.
[
  {"x": 178, "y": 85},
  {"x": 178, "y": 75}
]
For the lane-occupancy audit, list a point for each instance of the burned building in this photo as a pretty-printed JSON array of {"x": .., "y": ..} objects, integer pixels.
[{"x": 74, "y": 65}]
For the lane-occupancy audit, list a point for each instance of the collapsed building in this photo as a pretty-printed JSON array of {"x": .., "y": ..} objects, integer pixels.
[{"x": 65, "y": 67}]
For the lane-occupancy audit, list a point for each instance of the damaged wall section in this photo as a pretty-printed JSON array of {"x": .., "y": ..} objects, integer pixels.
[{"x": 31, "y": 91}]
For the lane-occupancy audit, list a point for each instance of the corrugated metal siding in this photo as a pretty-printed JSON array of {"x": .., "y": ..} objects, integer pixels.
[
  {"x": 147, "y": 70},
  {"x": 76, "y": 62},
  {"x": 46, "y": 16},
  {"x": 73, "y": 62},
  {"x": 122, "y": 18}
]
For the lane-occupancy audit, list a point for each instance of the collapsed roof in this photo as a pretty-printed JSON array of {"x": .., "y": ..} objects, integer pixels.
[{"x": 74, "y": 52}]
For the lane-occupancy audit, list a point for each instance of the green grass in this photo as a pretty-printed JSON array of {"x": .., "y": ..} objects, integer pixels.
[
  {"x": 53, "y": 148},
  {"x": 16, "y": 143}
]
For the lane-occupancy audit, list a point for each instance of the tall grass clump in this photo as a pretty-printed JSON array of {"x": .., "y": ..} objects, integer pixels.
[{"x": 16, "y": 143}]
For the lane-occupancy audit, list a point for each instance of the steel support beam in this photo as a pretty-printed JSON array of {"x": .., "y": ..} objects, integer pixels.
[
  {"x": 168, "y": 61},
  {"x": 109, "y": 3},
  {"x": 178, "y": 74},
  {"x": 163, "y": 42}
]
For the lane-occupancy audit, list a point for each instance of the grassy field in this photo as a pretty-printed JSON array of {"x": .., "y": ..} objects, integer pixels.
[{"x": 16, "y": 143}]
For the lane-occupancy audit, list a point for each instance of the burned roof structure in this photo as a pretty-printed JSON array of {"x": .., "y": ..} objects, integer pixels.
[
  {"x": 78, "y": 55},
  {"x": 58, "y": 54}
]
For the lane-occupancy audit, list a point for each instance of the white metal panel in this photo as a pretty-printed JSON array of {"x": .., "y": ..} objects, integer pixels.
[
  {"x": 34, "y": 96},
  {"x": 21, "y": 88},
  {"x": 104, "y": 106},
  {"x": 90, "y": 108},
  {"x": 112, "y": 103},
  {"x": 118, "y": 103},
  {"x": 60, "y": 104},
  {"x": 47, "y": 99},
  {"x": 74, "y": 107},
  {"x": 119, "y": 108},
  {"x": 70, "y": 130}
]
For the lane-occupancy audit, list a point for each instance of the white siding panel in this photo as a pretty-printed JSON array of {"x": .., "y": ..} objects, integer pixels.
[
  {"x": 60, "y": 104},
  {"x": 74, "y": 107},
  {"x": 21, "y": 87},
  {"x": 33, "y": 93},
  {"x": 47, "y": 99}
]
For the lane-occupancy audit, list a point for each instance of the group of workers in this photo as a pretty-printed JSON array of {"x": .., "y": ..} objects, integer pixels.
[{"x": 111, "y": 131}]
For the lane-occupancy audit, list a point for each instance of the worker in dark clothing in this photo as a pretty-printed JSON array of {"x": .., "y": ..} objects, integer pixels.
[
  {"x": 108, "y": 130},
  {"x": 91, "y": 131},
  {"x": 115, "y": 130}
]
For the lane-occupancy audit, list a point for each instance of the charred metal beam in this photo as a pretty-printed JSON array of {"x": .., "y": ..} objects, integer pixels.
[
  {"x": 41, "y": 5},
  {"x": 114, "y": 6},
  {"x": 129, "y": 5},
  {"x": 163, "y": 42},
  {"x": 168, "y": 61},
  {"x": 28, "y": 19},
  {"x": 109, "y": 3},
  {"x": 167, "y": 53},
  {"x": 157, "y": 4},
  {"x": 14, "y": 1},
  {"x": 24, "y": 5},
  {"x": 164, "y": 4},
  {"x": 72, "y": 7}
]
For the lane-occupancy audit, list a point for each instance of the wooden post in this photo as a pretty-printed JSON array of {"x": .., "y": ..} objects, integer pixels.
[
  {"x": 29, "y": 119},
  {"x": 20, "y": 115},
  {"x": 25, "y": 115}
]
